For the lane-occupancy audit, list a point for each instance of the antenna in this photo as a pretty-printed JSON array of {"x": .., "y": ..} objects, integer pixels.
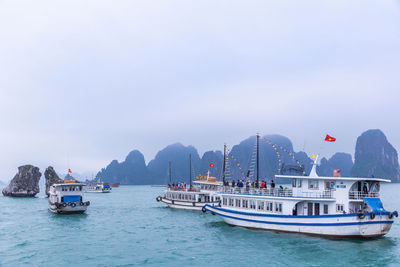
[
  {"x": 224, "y": 166},
  {"x": 169, "y": 163},
  {"x": 190, "y": 171},
  {"x": 258, "y": 158}
]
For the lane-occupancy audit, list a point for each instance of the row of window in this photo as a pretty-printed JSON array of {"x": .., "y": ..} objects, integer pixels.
[
  {"x": 71, "y": 188},
  {"x": 208, "y": 187},
  {"x": 253, "y": 204},
  {"x": 179, "y": 196},
  {"x": 314, "y": 184}
]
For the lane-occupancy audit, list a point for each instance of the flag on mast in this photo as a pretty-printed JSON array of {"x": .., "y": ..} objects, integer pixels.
[
  {"x": 329, "y": 138},
  {"x": 69, "y": 171}
]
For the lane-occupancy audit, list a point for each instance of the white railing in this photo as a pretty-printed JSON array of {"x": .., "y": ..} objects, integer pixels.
[
  {"x": 277, "y": 192},
  {"x": 362, "y": 195}
]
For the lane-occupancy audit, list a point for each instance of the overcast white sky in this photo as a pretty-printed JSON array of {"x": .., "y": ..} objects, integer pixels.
[{"x": 85, "y": 82}]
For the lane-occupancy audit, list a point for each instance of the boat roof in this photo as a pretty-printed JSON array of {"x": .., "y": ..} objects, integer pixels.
[
  {"x": 68, "y": 184},
  {"x": 334, "y": 178},
  {"x": 207, "y": 182}
]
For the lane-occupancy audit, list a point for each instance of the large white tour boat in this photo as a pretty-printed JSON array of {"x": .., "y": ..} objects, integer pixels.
[
  {"x": 67, "y": 198},
  {"x": 325, "y": 206},
  {"x": 200, "y": 192}
]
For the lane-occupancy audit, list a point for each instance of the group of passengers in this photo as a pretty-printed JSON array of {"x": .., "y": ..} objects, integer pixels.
[
  {"x": 177, "y": 186},
  {"x": 242, "y": 185}
]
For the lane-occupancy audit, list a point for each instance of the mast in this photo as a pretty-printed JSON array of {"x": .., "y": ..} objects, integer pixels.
[
  {"x": 224, "y": 165},
  {"x": 190, "y": 171},
  {"x": 169, "y": 163},
  {"x": 258, "y": 158}
]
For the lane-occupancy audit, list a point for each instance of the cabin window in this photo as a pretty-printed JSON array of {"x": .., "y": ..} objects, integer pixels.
[
  {"x": 330, "y": 185},
  {"x": 278, "y": 207},
  {"x": 260, "y": 205},
  {"x": 237, "y": 203},
  {"x": 299, "y": 183},
  {"x": 294, "y": 182},
  {"x": 224, "y": 201},
  {"x": 339, "y": 207},
  {"x": 326, "y": 210},
  {"x": 269, "y": 206},
  {"x": 252, "y": 204},
  {"x": 316, "y": 208},
  {"x": 312, "y": 184},
  {"x": 309, "y": 209},
  {"x": 245, "y": 203},
  {"x": 230, "y": 202}
]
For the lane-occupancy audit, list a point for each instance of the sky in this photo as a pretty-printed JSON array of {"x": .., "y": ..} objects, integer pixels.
[{"x": 85, "y": 82}]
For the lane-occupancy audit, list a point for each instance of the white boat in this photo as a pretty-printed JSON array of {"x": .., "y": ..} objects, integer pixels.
[
  {"x": 98, "y": 188},
  {"x": 67, "y": 198},
  {"x": 200, "y": 192},
  {"x": 204, "y": 191},
  {"x": 323, "y": 206}
]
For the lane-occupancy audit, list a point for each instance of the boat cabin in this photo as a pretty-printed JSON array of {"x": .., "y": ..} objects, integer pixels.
[{"x": 66, "y": 193}]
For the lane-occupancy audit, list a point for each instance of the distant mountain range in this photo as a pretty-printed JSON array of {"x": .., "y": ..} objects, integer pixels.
[{"x": 374, "y": 156}]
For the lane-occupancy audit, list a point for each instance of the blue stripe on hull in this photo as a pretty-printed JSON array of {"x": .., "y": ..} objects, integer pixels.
[
  {"x": 295, "y": 224},
  {"x": 290, "y": 216}
]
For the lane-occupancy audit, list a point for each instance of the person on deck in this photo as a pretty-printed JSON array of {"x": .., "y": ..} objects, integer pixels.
[{"x": 272, "y": 184}]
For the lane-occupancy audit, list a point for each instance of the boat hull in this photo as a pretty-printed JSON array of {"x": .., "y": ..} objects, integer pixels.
[
  {"x": 67, "y": 209},
  {"x": 340, "y": 225},
  {"x": 187, "y": 205}
]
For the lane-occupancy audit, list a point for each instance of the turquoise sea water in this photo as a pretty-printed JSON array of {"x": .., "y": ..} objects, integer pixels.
[{"x": 129, "y": 228}]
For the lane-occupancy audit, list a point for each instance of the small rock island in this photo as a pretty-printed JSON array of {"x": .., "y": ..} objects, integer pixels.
[{"x": 25, "y": 183}]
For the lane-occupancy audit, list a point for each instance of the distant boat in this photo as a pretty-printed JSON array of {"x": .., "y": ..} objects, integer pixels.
[
  {"x": 115, "y": 185},
  {"x": 66, "y": 198},
  {"x": 203, "y": 191},
  {"x": 98, "y": 188}
]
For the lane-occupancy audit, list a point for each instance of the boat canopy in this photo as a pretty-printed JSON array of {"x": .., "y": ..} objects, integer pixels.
[{"x": 375, "y": 204}]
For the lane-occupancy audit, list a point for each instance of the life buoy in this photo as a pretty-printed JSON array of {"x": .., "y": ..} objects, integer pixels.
[
  {"x": 87, "y": 203},
  {"x": 372, "y": 215},
  {"x": 158, "y": 199},
  {"x": 361, "y": 215},
  {"x": 395, "y": 213},
  {"x": 64, "y": 205},
  {"x": 203, "y": 209},
  {"x": 73, "y": 204},
  {"x": 390, "y": 215},
  {"x": 82, "y": 204}
]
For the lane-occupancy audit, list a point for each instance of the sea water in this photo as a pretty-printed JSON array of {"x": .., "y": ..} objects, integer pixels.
[{"x": 127, "y": 227}]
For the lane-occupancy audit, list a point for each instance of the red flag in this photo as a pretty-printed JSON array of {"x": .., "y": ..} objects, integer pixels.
[
  {"x": 211, "y": 164},
  {"x": 329, "y": 138},
  {"x": 69, "y": 170}
]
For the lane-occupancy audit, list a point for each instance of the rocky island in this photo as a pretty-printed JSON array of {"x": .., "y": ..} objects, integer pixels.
[
  {"x": 51, "y": 178},
  {"x": 25, "y": 183}
]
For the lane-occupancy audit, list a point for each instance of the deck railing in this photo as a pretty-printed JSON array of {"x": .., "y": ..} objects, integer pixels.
[
  {"x": 277, "y": 192},
  {"x": 362, "y": 195}
]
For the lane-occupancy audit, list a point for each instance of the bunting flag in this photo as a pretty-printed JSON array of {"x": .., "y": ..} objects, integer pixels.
[
  {"x": 274, "y": 146},
  {"x": 329, "y": 138},
  {"x": 235, "y": 160}
]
